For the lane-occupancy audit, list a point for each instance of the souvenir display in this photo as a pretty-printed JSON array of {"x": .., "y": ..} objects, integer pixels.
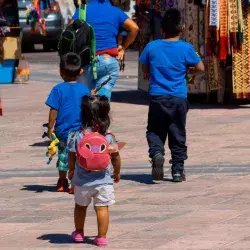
[{"x": 218, "y": 30}]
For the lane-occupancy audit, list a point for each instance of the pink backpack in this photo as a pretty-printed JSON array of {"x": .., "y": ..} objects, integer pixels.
[{"x": 93, "y": 152}]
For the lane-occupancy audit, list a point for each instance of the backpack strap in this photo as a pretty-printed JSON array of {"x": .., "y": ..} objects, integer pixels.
[
  {"x": 82, "y": 12},
  {"x": 82, "y": 17},
  {"x": 93, "y": 52}
]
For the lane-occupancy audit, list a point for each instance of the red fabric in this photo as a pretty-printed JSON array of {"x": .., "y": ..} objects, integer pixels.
[
  {"x": 111, "y": 52},
  {"x": 223, "y": 48}
]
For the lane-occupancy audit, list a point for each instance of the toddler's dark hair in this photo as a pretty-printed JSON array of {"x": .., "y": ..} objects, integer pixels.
[
  {"x": 70, "y": 65},
  {"x": 95, "y": 113},
  {"x": 171, "y": 23}
]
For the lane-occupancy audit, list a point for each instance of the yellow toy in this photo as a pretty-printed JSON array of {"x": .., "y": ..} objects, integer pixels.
[{"x": 53, "y": 147}]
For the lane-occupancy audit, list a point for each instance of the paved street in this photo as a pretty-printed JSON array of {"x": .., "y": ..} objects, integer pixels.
[{"x": 209, "y": 211}]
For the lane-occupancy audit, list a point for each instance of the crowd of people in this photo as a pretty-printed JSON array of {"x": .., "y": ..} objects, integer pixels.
[{"x": 80, "y": 117}]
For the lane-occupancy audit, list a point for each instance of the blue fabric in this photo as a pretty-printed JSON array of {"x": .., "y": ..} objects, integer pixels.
[
  {"x": 106, "y": 20},
  {"x": 66, "y": 98},
  {"x": 168, "y": 62},
  {"x": 84, "y": 178},
  {"x": 62, "y": 162},
  {"x": 106, "y": 66}
]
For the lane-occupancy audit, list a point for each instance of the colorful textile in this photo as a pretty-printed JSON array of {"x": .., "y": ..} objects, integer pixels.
[
  {"x": 191, "y": 23},
  {"x": 213, "y": 73},
  {"x": 241, "y": 60},
  {"x": 214, "y": 13},
  {"x": 240, "y": 22},
  {"x": 180, "y": 5},
  {"x": 170, "y": 3},
  {"x": 223, "y": 30},
  {"x": 233, "y": 22}
]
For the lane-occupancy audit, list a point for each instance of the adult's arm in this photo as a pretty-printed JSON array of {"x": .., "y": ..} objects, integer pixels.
[{"x": 132, "y": 29}]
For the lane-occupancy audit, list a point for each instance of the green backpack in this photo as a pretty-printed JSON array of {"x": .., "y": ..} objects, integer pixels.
[{"x": 82, "y": 17}]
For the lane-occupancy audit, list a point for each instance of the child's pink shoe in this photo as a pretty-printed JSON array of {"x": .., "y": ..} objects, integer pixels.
[
  {"x": 100, "y": 242},
  {"x": 77, "y": 237}
]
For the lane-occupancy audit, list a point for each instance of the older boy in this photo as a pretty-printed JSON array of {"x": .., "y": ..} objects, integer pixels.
[{"x": 167, "y": 62}]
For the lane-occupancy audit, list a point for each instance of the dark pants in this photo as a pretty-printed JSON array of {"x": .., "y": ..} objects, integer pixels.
[{"x": 167, "y": 118}]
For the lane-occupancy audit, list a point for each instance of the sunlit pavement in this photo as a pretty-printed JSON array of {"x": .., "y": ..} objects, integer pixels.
[{"x": 209, "y": 211}]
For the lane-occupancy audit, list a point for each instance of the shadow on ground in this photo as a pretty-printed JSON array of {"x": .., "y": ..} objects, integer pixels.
[
  {"x": 39, "y": 188},
  {"x": 141, "y": 178},
  {"x": 196, "y": 102},
  {"x": 131, "y": 97},
  {"x": 62, "y": 239},
  {"x": 40, "y": 144}
]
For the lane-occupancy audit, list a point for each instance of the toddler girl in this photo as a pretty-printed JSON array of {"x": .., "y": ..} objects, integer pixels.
[{"x": 96, "y": 185}]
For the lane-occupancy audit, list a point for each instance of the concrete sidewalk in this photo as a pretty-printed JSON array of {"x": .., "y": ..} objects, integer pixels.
[{"x": 209, "y": 211}]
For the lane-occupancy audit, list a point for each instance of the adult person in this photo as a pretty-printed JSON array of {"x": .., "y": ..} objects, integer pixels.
[
  {"x": 67, "y": 8},
  {"x": 106, "y": 20}
]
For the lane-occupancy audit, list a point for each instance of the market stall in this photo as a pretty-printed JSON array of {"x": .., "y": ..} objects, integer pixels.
[
  {"x": 10, "y": 40},
  {"x": 219, "y": 32}
]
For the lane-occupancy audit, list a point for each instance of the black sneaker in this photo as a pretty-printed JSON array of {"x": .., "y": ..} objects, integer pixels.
[
  {"x": 178, "y": 175},
  {"x": 157, "y": 167}
]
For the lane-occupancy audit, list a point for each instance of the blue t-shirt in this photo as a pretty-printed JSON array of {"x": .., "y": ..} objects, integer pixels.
[
  {"x": 106, "y": 20},
  {"x": 66, "y": 98},
  {"x": 83, "y": 178},
  {"x": 168, "y": 62}
]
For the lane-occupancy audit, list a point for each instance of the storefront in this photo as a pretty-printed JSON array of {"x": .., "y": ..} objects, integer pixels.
[{"x": 219, "y": 32}]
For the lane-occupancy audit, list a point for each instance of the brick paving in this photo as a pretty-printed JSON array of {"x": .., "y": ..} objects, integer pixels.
[{"x": 209, "y": 211}]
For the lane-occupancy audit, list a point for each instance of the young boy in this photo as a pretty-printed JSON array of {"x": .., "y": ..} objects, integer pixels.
[
  {"x": 65, "y": 111},
  {"x": 167, "y": 62}
]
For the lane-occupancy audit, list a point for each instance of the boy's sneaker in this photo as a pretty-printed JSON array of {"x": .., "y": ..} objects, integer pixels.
[
  {"x": 178, "y": 175},
  {"x": 62, "y": 185},
  {"x": 157, "y": 167}
]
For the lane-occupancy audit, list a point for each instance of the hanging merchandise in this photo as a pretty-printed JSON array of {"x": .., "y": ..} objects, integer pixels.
[
  {"x": 219, "y": 30},
  {"x": 223, "y": 30},
  {"x": 33, "y": 18},
  {"x": 35, "y": 14},
  {"x": 241, "y": 60}
]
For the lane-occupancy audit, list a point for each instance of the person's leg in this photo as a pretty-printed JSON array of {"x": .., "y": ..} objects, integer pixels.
[
  {"x": 82, "y": 201},
  {"x": 79, "y": 218},
  {"x": 177, "y": 140},
  {"x": 103, "y": 198},
  {"x": 62, "y": 166},
  {"x": 107, "y": 66},
  {"x": 102, "y": 214},
  {"x": 156, "y": 135}
]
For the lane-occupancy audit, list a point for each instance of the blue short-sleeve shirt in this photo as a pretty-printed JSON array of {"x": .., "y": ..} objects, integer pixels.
[
  {"x": 106, "y": 20},
  {"x": 66, "y": 98},
  {"x": 85, "y": 178},
  {"x": 168, "y": 62}
]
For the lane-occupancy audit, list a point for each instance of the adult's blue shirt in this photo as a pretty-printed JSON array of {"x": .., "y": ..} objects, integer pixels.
[
  {"x": 168, "y": 62},
  {"x": 106, "y": 20},
  {"x": 66, "y": 98}
]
